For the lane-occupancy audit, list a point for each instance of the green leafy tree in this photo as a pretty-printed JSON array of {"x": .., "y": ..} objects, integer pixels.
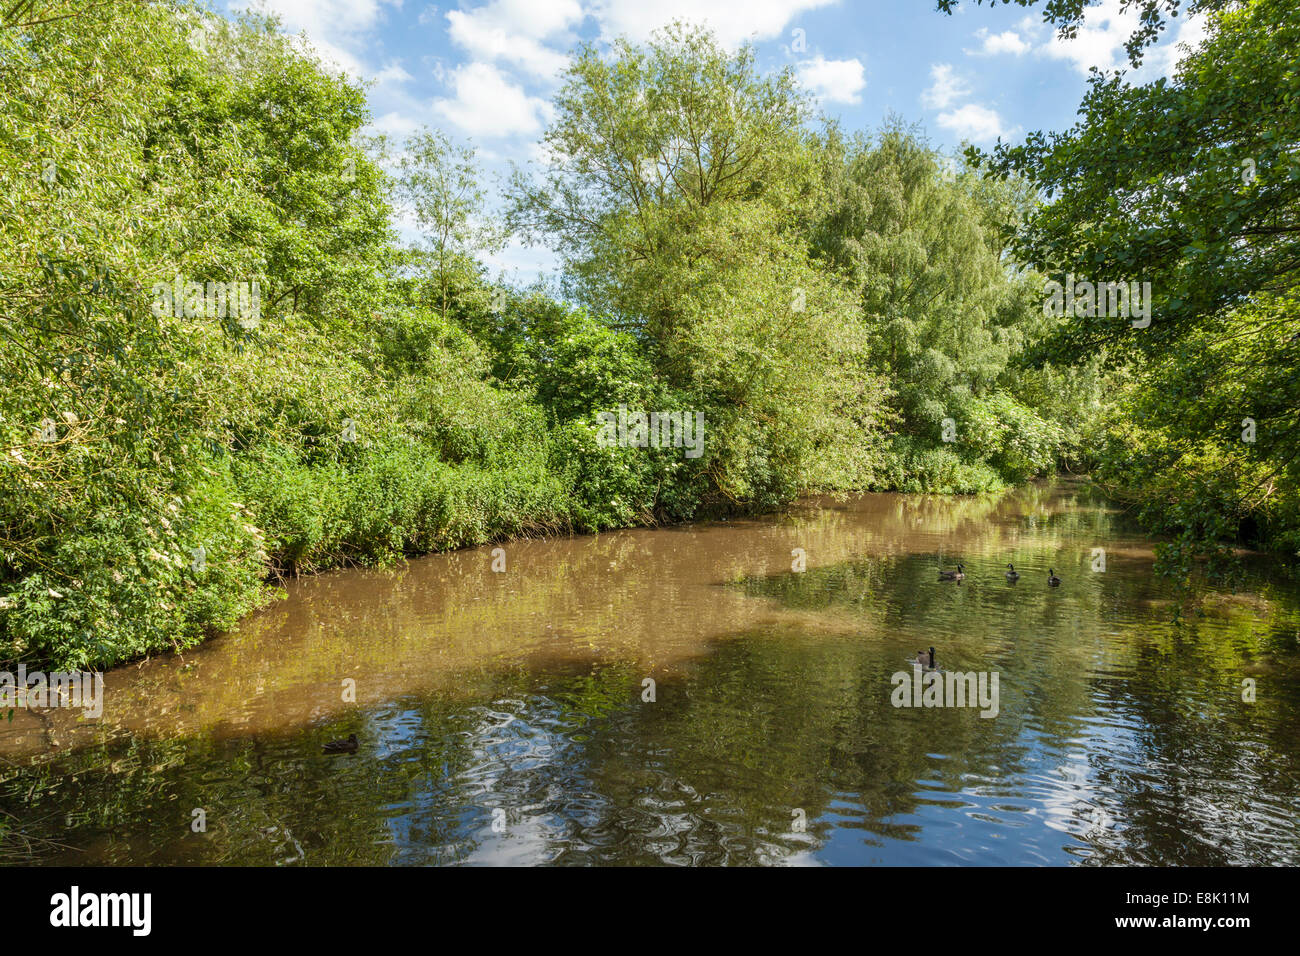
[
  {"x": 1191, "y": 184},
  {"x": 439, "y": 184},
  {"x": 678, "y": 189},
  {"x": 920, "y": 241}
]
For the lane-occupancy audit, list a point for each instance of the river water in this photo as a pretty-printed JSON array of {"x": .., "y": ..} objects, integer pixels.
[{"x": 685, "y": 696}]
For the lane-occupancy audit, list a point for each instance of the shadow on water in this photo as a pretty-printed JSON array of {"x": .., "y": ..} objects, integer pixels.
[{"x": 504, "y": 717}]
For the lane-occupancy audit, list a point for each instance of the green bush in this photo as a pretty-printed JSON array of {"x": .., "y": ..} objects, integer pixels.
[{"x": 918, "y": 467}]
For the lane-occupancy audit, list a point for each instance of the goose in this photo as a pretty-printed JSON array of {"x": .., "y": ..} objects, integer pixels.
[
  {"x": 1052, "y": 580},
  {"x": 952, "y": 575},
  {"x": 925, "y": 662},
  {"x": 348, "y": 746},
  {"x": 1012, "y": 574}
]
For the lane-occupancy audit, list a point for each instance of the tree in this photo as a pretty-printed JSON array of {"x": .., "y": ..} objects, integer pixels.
[
  {"x": 678, "y": 189},
  {"x": 919, "y": 240},
  {"x": 1191, "y": 184},
  {"x": 440, "y": 186}
]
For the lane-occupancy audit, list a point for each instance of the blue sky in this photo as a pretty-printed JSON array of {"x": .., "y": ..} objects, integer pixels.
[{"x": 484, "y": 71}]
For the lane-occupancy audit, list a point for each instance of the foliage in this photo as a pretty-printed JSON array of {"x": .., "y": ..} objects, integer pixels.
[
  {"x": 920, "y": 244},
  {"x": 677, "y": 184},
  {"x": 822, "y": 305},
  {"x": 1194, "y": 186}
]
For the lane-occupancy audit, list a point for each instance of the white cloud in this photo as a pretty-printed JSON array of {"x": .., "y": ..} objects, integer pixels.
[
  {"x": 833, "y": 81},
  {"x": 487, "y": 103},
  {"x": 1106, "y": 28},
  {"x": 393, "y": 73},
  {"x": 734, "y": 21},
  {"x": 337, "y": 30},
  {"x": 991, "y": 44},
  {"x": 1100, "y": 40},
  {"x": 1191, "y": 32},
  {"x": 323, "y": 17},
  {"x": 974, "y": 122},
  {"x": 946, "y": 89},
  {"x": 517, "y": 32},
  {"x": 970, "y": 121},
  {"x": 396, "y": 125}
]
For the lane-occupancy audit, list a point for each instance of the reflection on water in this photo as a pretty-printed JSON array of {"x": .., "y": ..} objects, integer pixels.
[{"x": 505, "y": 717}]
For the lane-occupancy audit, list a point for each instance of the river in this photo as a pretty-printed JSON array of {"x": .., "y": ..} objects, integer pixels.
[{"x": 685, "y": 696}]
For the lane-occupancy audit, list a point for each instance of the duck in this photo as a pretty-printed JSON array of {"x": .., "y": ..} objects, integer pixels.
[
  {"x": 348, "y": 746},
  {"x": 953, "y": 575},
  {"x": 1052, "y": 580},
  {"x": 924, "y": 661},
  {"x": 1012, "y": 574}
]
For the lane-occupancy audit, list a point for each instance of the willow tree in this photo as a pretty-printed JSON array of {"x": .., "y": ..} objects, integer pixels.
[
  {"x": 919, "y": 240},
  {"x": 677, "y": 190},
  {"x": 439, "y": 184}
]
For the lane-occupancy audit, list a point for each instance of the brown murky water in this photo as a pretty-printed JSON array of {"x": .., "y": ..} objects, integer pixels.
[{"x": 504, "y": 717}]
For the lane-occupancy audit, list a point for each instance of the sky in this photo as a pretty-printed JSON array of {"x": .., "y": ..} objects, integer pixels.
[{"x": 484, "y": 71}]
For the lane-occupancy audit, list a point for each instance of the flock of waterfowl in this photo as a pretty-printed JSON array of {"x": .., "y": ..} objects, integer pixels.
[
  {"x": 923, "y": 660},
  {"x": 1012, "y": 575},
  {"x": 927, "y": 661}
]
